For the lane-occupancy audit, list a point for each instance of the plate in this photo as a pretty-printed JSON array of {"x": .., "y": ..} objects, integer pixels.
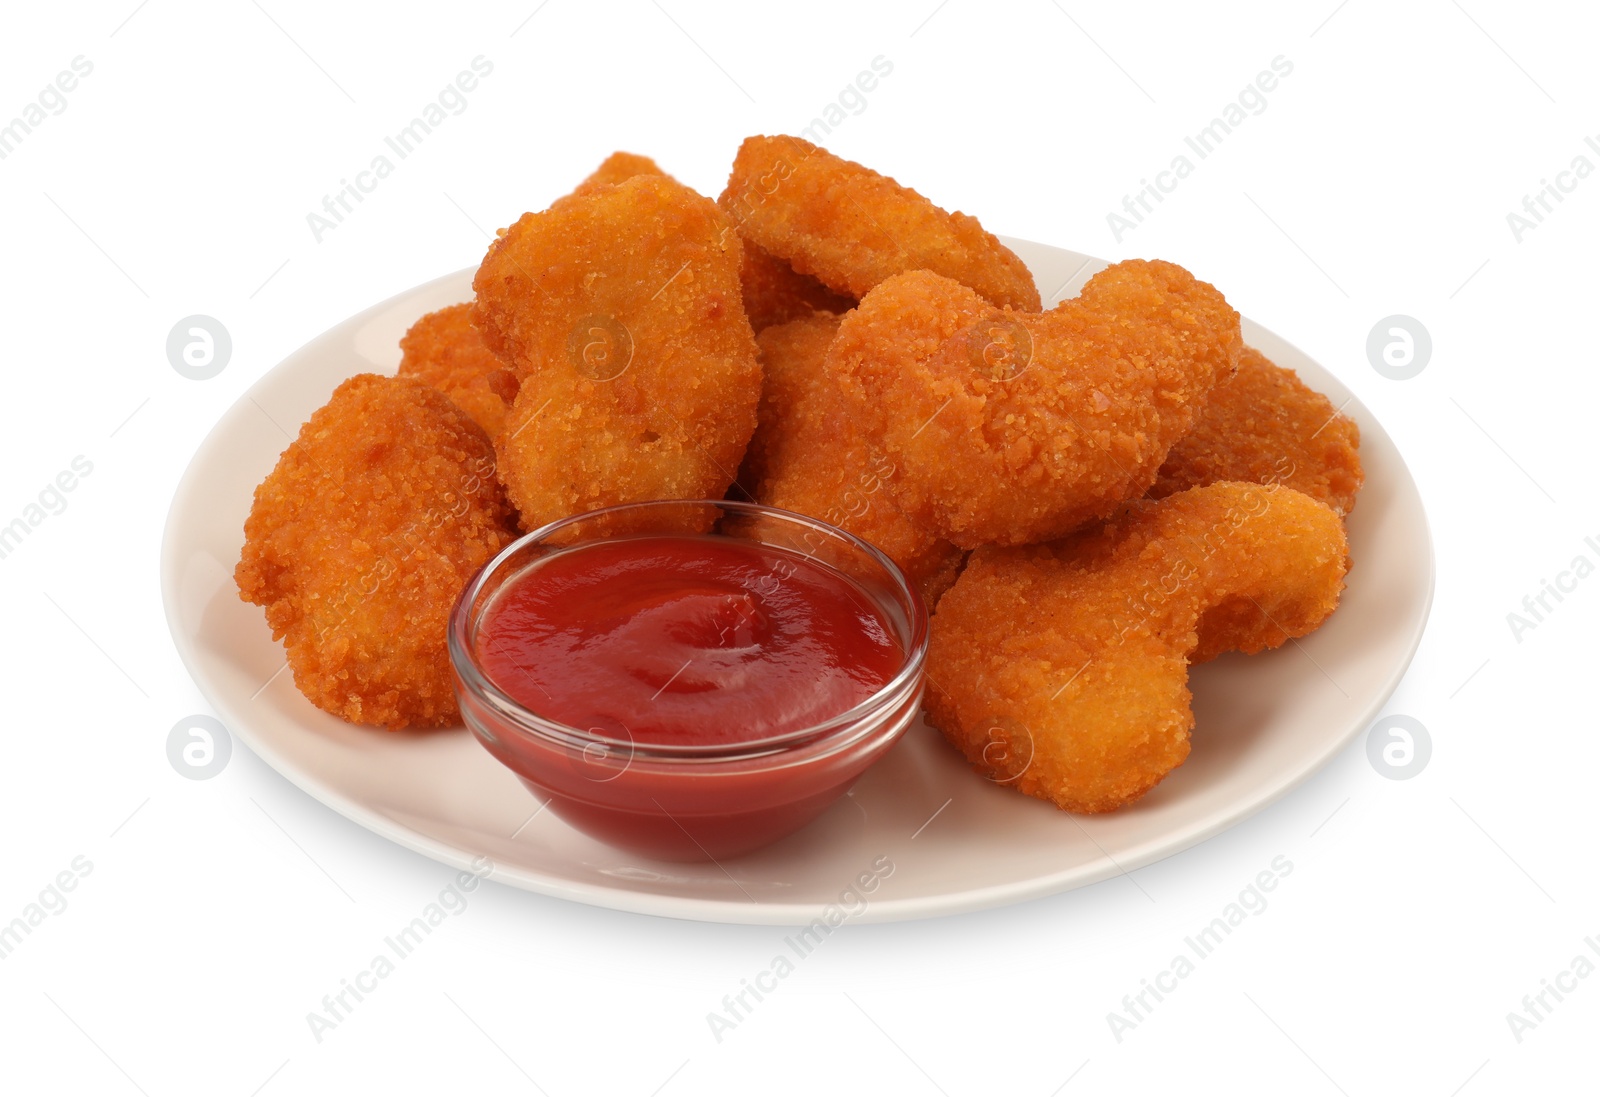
[{"x": 937, "y": 838}]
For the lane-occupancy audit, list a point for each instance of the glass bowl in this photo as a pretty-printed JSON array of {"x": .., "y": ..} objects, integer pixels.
[{"x": 692, "y": 802}]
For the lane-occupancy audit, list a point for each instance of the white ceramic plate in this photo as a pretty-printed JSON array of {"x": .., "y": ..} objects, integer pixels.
[{"x": 1264, "y": 723}]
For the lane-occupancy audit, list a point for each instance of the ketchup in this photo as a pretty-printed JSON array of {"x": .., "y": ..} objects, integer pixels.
[{"x": 681, "y": 640}]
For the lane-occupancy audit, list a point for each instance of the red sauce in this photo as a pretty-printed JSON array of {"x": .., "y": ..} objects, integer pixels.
[{"x": 683, "y": 640}]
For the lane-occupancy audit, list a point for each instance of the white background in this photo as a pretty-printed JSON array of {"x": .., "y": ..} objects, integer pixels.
[{"x": 1377, "y": 181}]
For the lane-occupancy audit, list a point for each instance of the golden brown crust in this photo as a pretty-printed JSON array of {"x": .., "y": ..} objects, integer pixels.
[
  {"x": 1062, "y": 669},
  {"x": 1264, "y": 425},
  {"x": 851, "y": 228},
  {"x": 1007, "y": 427},
  {"x": 809, "y": 455},
  {"x": 360, "y": 540},
  {"x": 617, "y": 168},
  {"x": 620, "y": 311},
  {"x": 445, "y": 350},
  {"x": 775, "y": 293}
]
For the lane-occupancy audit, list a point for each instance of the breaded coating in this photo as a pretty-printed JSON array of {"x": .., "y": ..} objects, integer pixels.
[
  {"x": 360, "y": 540},
  {"x": 1266, "y": 426},
  {"x": 617, "y": 168},
  {"x": 809, "y": 455},
  {"x": 772, "y": 290},
  {"x": 1062, "y": 669},
  {"x": 852, "y": 228},
  {"x": 1008, "y": 427},
  {"x": 620, "y": 312},
  {"x": 775, "y": 293},
  {"x": 793, "y": 382},
  {"x": 444, "y": 349}
]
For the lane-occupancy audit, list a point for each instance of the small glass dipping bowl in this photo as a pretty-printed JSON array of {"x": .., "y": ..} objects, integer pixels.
[{"x": 692, "y": 802}]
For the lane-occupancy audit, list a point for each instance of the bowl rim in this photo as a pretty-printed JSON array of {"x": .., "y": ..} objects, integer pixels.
[{"x": 835, "y": 732}]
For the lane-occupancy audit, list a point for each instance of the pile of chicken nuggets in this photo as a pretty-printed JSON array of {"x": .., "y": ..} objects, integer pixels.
[{"x": 1090, "y": 498}]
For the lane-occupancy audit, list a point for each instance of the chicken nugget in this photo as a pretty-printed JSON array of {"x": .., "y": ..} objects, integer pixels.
[
  {"x": 444, "y": 349},
  {"x": 618, "y": 168},
  {"x": 360, "y": 540},
  {"x": 620, "y": 312},
  {"x": 1062, "y": 669},
  {"x": 775, "y": 293},
  {"x": 1008, "y": 428},
  {"x": 851, "y": 228},
  {"x": 1266, "y": 426},
  {"x": 792, "y": 384},
  {"x": 808, "y": 455}
]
